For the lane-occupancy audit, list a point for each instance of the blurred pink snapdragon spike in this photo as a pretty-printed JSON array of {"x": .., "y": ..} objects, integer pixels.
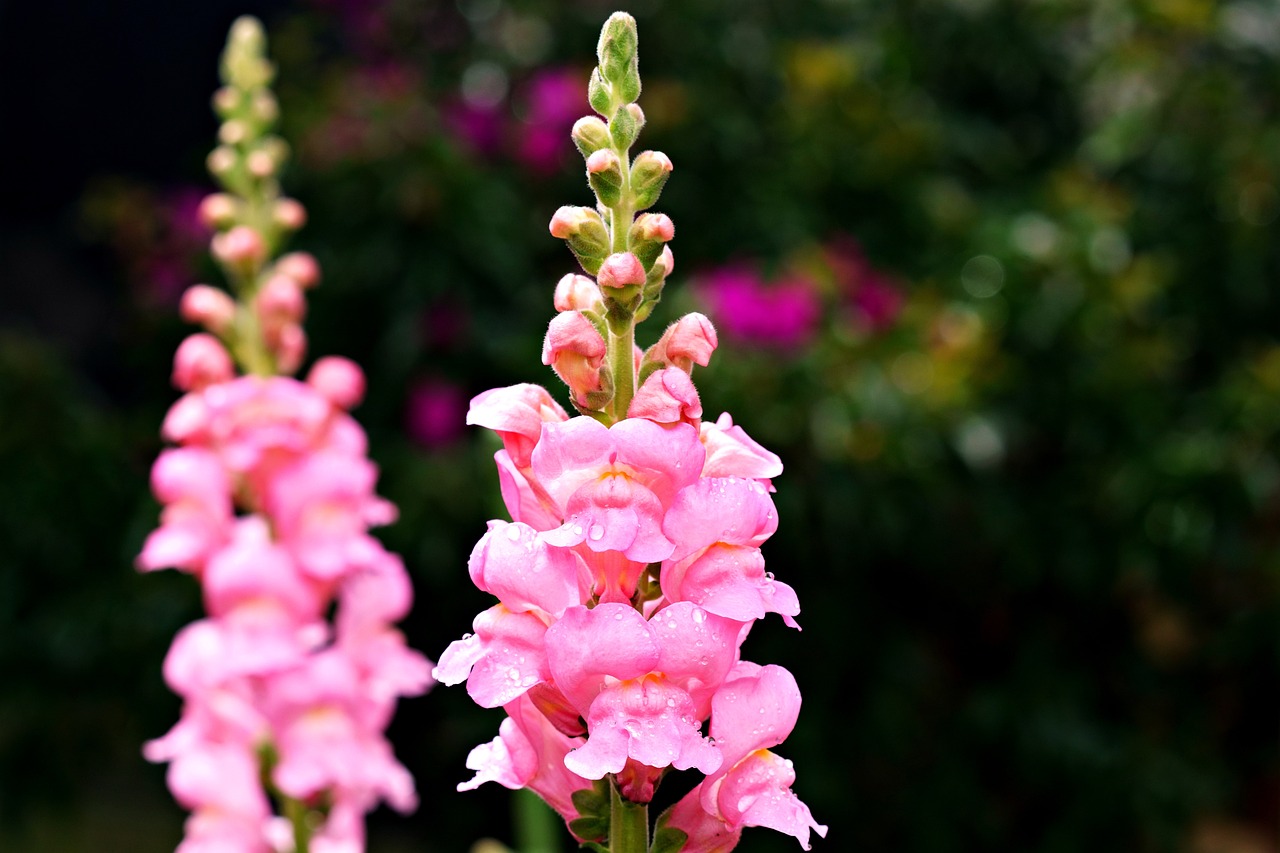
[
  {"x": 268, "y": 498},
  {"x": 631, "y": 570}
]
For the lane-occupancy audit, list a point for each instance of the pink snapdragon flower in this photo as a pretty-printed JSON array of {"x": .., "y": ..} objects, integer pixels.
[
  {"x": 290, "y": 680},
  {"x": 631, "y": 571}
]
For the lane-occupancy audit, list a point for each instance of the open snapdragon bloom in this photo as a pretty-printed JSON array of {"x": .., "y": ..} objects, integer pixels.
[{"x": 631, "y": 570}]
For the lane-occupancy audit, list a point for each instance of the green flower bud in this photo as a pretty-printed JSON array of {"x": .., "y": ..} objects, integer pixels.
[
  {"x": 585, "y": 232},
  {"x": 599, "y": 95},
  {"x": 590, "y": 134},
  {"x": 648, "y": 175},
  {"x": 648, "y": 234},
  {"x": 623, "y": 128},
  {"x": 617, "y": 53},
  {"x": 604, "y": 173}
]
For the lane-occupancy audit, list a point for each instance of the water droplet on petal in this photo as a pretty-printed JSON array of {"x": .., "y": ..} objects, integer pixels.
[
  {"x": 577, "y": 530},
  {"x": 699, "y": 615},
  {"x": 596, "y": 532},
  {"x": 513, "y": 533}
]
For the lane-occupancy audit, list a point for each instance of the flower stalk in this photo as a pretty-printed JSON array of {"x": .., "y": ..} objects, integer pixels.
[{"x": 630, "y": 572}]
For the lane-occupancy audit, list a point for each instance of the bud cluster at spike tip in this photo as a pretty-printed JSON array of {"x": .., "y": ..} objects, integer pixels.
[
  {"x": 630, "y": 571},
  {"x": 267, "y": 499}
]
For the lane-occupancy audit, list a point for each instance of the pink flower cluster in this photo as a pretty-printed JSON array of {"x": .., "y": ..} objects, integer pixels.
[
  {"x": 627, "y": 580},
  {"x": 267, "y": 498}
]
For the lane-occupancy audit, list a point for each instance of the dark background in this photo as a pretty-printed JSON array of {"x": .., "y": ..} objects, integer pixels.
[{"x": 1031, "y": 514}]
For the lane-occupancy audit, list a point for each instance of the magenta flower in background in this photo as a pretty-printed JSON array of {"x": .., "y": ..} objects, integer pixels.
[
  {"x": 435, "y": 413},
  {"x": 478, "y": 128},
  {"x": 781, "y": 314},
  {"x": 553, "y": 100},
  {"x": 876, "y": 299}
]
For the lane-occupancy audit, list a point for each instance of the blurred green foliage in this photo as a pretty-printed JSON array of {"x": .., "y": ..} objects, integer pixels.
[{"x": 1032, "y": 499}]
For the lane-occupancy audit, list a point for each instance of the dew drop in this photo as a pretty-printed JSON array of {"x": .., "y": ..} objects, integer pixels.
[
  {"x": 699, "y": 616},
  {"x": 513, "y": 533},
  {"x": 513, "y": 674},
  {"x": 577, "y": 530},
  {"x": 769, "y": 575},
  {"x": 596, "y": 532}
]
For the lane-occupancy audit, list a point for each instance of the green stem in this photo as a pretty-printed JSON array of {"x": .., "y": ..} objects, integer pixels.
[
  {"x": 622, "y": 363},
  {"x": 628, "y": 824},
  {"x": 535, "y": 824},
  {"x": 296, "y": 812}
]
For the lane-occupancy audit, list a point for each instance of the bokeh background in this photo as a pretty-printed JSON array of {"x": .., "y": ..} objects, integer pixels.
[{"x": 998, "y": 279}]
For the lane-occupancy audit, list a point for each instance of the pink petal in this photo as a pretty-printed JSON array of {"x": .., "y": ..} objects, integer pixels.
[{"x": 585, "y": 646}]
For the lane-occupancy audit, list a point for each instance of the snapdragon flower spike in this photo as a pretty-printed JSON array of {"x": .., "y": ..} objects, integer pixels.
[
  {"x": 631, "y": 570},
  {"x": 267, "y": 499}
]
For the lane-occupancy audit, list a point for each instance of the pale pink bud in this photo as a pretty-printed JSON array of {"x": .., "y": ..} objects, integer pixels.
[
  {"x": 339, "y": 380},
  {"x": 233, "y": 132},
  {"x": 602, "y": 161},
  {"x": 666, "y": 397},
  {"x": 666, "y": 262},
  {"x": 291, "y": 346},
  {"x": 577, "y": 293},
  {"x": 280, "y": 301},
  {"x": 289, "y": 213},
  {"x": 217, "y": 210},
  {"x": 207, "y": 306},
  {"x": 621, "y": 269},
  {"x": 260, "y": 164},
  {"x": 200, "y": 361},
  {"x": 686, "y": 342},
  {"x": 226, "y": 99},
  {"x": 655, "y": 226},
  {"x": 567, "y": 221},
  {"x": 575, "y": 350},
  {"x": 590, "y": 134},
  {"x": 648, "y": 175},
  {"x": 221, "y": 160},
  {"x": 241, "y": 246},
  {"x": 301, "y": 267}
]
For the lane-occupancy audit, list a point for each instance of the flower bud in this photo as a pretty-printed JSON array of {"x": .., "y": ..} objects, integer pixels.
[
  {"x": 301, "y": 267},
  {"x": 585, "y": 233},
  {"x": 649, "y": 173},
  {"x": 260, "y": 164},
  {"x": 209, "y": 307},
  {"x": 686, "y": 342},
  {"x": 604, "y": 174},
  {"x": 623, "y": 129},
  {"x": 578, "y": 293},
  {"x": 667, "y": 397},
  {"x": 648, "y": 235},
  {"x": 241, "y": 247},
  {"x": 290, "y": 348},
  {"x": 598, "y": 94},
  {"x": 280, "y": 301},
  {"x": 662, "y": 267},
  {"x": 217, "y": 210},
  {"x": 590, "y": 134},
  {"x": 221, "y": 160},
  {"x": 264, "y": 107},
  {"x": 225, "y": 101},
  {"x": 616, "y": 51},
  {"x": 339, "y": 380},
  {"x": 233, "y": 132},
  {"x": 200, "y": 361},
  {"x": 620, "y": 270},
  {"x": 575, "y": 349},
  {"x": 289, "y": 213}
]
